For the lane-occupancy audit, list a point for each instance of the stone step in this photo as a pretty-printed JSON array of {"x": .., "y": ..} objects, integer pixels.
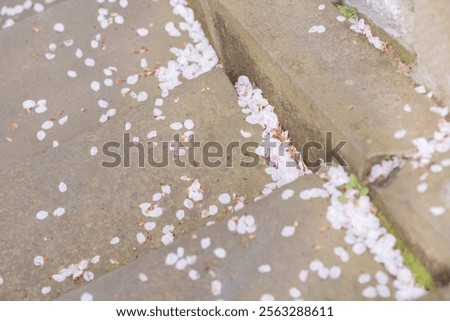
[
  {"x": 337, "y": 82},
  {"x": 22, "y": 9},
  {"x": 312, "y": 93},
  {"x": 253, "y": 260},
  {"x": 442, "y": 294},
  {"x": 323, "y": 82},
  {"x": 102, "y": 203},
  {"x": 411, "y": 212},
  {"x": 30, "y": 76}
]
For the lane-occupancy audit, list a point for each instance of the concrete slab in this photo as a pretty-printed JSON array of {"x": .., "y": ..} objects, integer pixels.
[
  {"x": 332, "y": 81},
  {"x": 280, "y": 258},
  {"x": 29, "y": 75},
  {"x": 442, "y": 294},
  {"x": 405, "y": 20},
  {"x": 27, "y": 9},
  {"x": 410, "y": 212},
  {"x": 102, "y": 203}
]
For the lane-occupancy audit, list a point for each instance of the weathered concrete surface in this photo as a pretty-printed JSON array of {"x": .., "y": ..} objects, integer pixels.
[
  {"x": 102, "y": 203},
  {"x": 27, "y": 74},
  {"x": 238, "y": 272},
  {"x": 442, "y": 294},
  {"x": 406, "y": 20},
  {"x": 334, "y": 81},
  {"x": 408, "y": 210},
  {"x": 24, "y": 14},
  {"x": 394, "y": 16}
]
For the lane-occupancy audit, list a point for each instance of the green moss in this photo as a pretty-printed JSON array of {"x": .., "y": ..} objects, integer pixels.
[
  {"x": 420, "y": 273},
  {"x": 347, "y": 12},
  {"x": 399, "y": 52},
  {"x": 423, "y": 278}
]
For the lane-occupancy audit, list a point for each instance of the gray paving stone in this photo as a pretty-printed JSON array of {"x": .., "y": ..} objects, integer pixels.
[
  {"x": 29, "y": 75},
  {"x": 312, "y": 79},
  {"x": 409, "y": 211},
  {"x": 314, "y": 239},
  {"x": 102, "y": 203},
  {"x": 334, "y": 81},
  {"x": 441, "y": 294}
]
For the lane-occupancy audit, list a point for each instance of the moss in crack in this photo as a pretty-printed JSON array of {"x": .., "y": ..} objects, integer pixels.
[
  {"x": 397, "y": 54},
  {"x": 422, "y": 276},
  {"x": 347, "y": 12}
]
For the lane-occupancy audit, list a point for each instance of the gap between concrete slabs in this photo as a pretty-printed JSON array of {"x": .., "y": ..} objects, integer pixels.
[{"x": 408, "y": 210}]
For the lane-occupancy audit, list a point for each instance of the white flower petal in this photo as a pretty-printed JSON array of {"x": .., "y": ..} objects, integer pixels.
[
  {"x": 335, "y": 272},
  {"x": 46, "y": 290},
  {"x": 41, "y": 135},
  {"x": 399, "y": 134},
  {"x": 142, "y": 96},
  {"x": 140, "y": 237},
  {"x": 27, "y": 104},
  {"x": 369, "y": 292},
  {"x": 132, "y": 79},
  {"x": 188, "y": 203},
  {"x": 142, "y": 32},
  {"x": 38, "y": 260},
  {"x": 245, "y": 134},
  {"x": 115, "y": 240},
  {"x": 60, "y": 211},
  {"x": 287, "y": 194},
  {"x": 166, "y": 189},
  {"x": 267, "y": 297},
  {"x": 303, "y": 275},
  {"x": 224, "y": 198},
  {"x": 216, "y": 287},
  {"x": 89, "y": 62},
  {"x": 364, "y": 278},
  {"x": 63, "y": 120},
  {"x": 205, "y": 243},
  {"x": 152, "y": 134},
  {"x": 103, "y": 103},
  {"x": 193, "y": 275},
  {"x": 41, "y": 215},
  {"x": 324, "y": 273},
  {"x": 180, "y": 214},
  {"x": 93, "y": 151},
  {"x": 265, "y": 268},
  {"x": 171, "y": 259},
  {"x": 381, "y": 277},
  {"x": 220, "y": 253},
  {"x": 62, "y": 187},
  {"x": 149, "y": 226},
  {"x": 295, "y": 293},
  {"x": 88, "y": 276},
  {"x": 86, "y": 296},
  {"x": 176, "y": 126},
  {"x": 189, "y": 124},
  {"x": 315, "y": 265},
  {"x": 142, "y": 277},
  {"x": 288, "y": 231},
  {"x": 437, "y": 210},
  {"x": 420, "y": 89},
  {"x": 47, "y": 125},
  {"x": 59, "y": 27}
]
